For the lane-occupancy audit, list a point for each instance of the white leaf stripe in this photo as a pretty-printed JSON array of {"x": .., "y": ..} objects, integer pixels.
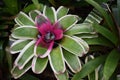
[
  {"x": 93, "y": 17},
  {"x": 47, "y": 51},
  {"x": 19, "y": 37},
  {"x": 89, "y": 57},
  {"x": 65, "y": 73},
  {"x": 82, "y": 47},
  {"x": 52, "y": 64},
  {"x": 44, "y": 9},
  {"x": 18, "y": 21},
  {"x": 75, "y": 71},
  {"x": 80, "y": 54},
  {"x": 35, "y": 52},
  {"x": 34, "y": 64},
  {"x": 81, "y": 41},
  {"x": 26, "y": 16},
  {"x": 23, "y": 38},
  {"x": 26, "y": 26},
  {"x": 38, "y": 12},
  {"x": 69, "y": 16},
  {"x": 60, "y": 9},
  {"x": 55, "y": 14},
  {"x": 81, "y": 28},
  {"x": 12, "y": 39},
  {"x": 22, "y": 52},
  {"x": 14, "y": 75},
  {"x": 36, "y": 19},
  {"x": 16, "y": 42},
  {"x": 62, "y": 58}
]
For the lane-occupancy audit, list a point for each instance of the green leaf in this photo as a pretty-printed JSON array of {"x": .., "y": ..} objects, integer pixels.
[
  {"x": 118, "y": 77},
  {"x": 28, "y": 77},
  {"x": 62, "y": 11},
  {"x": 72, "y": 61},
  {"x": 89, "y": 67},
  {"x": 93, "y": 17},
  {"x": 116, "y": 15},
  {"x": 56, "y": 60},
  {"x": 80, "y": 28},
  {"x": 50, "y": 13},
  {"x": 106, "y": 33},
  {"x": 87, "y": 35},
  {"x": 83, "y": 43},
  {"x": 68, "y": 21},
  {"x": 39, "y": 64},
  {"x": 111, "y": 64},
  {"x": 33, "y": 14},
  {"x": 39, "y": 50},
  {"x": 67, "y": 43},
  {"x": 5, "y": 59},
  {"x": 93, "y": 75},
  {"x": 106, "y": 16},
  {"x": 35, "y": 2},
  {"x": 16, "y": 72},
  {"x": 100, "y": 72},
  {"x": 101, "y": 1},
  {"x": 62, "y": 76},
  {"x": 11, "y": 38},
  {"x": 8, "y": 59},
  {"x": 25, "y": 56},
  {"x": 22, "y": 19},
  {"x": 38, "y": 5},
  {"x": 25, "y": 32},
  {"x": 18, "y": 45},
  {"x": 29, "y": 8},
  {"x": 99, "y": 41}
]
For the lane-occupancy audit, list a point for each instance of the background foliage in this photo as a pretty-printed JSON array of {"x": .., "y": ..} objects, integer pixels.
[{"x": 104, "y": 49}]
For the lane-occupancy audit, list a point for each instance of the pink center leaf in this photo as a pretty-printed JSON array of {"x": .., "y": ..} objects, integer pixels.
[{"x": 48, "y": 33}]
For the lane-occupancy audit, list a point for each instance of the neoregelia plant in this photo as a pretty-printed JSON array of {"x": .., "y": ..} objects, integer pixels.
[{"x": 46, "y": 36}]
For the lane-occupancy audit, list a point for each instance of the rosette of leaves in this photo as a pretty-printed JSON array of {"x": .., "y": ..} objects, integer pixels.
[{"x": 46, "y": 36}]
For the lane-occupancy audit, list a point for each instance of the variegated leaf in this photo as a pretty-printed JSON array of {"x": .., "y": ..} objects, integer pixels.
[
  {"x": 57, "y": 61},
  {"x": 22, "y": 19},
  {"x": 25, "y": 32},
  {"x": 50, "y": 13},
  {"x": 39, "y": 64},
  {"x": 18, "y": 45},
  {"x": 72, "y": 45},
  {"x": 62, "y": 11},
  {"x": 25, "y": 56},
  {"x": 72, "y": 61}
]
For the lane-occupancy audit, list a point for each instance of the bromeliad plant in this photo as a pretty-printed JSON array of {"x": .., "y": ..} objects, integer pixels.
[{"x": 44, "y": 37}]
